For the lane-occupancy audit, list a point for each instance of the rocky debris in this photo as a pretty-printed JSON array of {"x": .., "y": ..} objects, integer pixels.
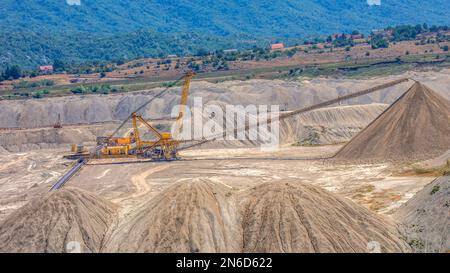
[{"x": 426, "y": 217}]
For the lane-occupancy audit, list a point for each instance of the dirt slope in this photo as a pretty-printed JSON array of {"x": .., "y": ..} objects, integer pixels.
[
  {"x": 329, "y": 125},
  {"x": 415, "y": 127},
  {"x": 323, "y": 126},
  {"x": 427, "y": 217},
  {"x": 283, "y": 217},
  {"x": 48, "y": 224},
  {"x": 204, "y": 216},
  {"x": 14, "y": 140},
  {"x": 201, "y": 216},
  {"x": 99, "y": 108},
  {"x": 190, "y": 216}
]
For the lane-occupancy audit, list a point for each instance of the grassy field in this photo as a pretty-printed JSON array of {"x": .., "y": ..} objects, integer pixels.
[{"x": 359, "y": 69}]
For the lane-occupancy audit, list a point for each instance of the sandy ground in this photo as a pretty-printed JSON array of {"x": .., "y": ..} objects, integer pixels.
[
  {"x": 141, "y": 190},
  {"x": 137, "y": 186},
  {"x": 375, "y": 186},
  {"x": 24, "y": 175},
  {"x": 132, "y": 184},
  {"x": 426, "y": 218}
]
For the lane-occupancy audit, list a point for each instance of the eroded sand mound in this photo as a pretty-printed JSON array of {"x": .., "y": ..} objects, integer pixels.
[
  {"x": 323, "y": 126},
  {"x": 45, "y": 138},
  {"x": 48, "y": 224},
  {"x": 202, "y": 216},
  {"x": 190, "y": 216},
  {"x": 283, "y": 217},
  {"x": 415, "y": 127},
  {"x": 329, "y": 125},
  {"x": 427, "y": 217},
  {"x": 297, "y": 94}
]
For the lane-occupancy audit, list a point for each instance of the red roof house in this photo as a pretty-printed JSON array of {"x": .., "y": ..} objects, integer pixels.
[
  {"x": 47, "y": 69},
  {"x": 357, "y": 36},
  {"x": 277, "y": 46}
]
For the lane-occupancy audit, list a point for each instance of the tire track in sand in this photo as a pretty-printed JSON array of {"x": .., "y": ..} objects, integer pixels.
[
  {"x": 130, "y": 203},
  {"x": 140, "y": 184}
]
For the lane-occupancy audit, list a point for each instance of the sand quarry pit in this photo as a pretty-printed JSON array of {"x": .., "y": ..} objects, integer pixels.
[
  {"x": 158, "y": 207},
  {"x": 231, "y": 199}
]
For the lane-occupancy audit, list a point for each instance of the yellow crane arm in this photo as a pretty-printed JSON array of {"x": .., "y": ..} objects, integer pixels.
[
  {"x": 299, "y": 111},
  {"x": 184, "y": 99},
  {"x": 137, "y": 136},
  {"x": 149, "y": 126},
  {"x": 160, "y": 94}
]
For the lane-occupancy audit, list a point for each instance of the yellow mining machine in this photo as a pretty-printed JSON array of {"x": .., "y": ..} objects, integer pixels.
[
  {"x": 163, "y": 147},
  {"x": 78, "y": 151}
]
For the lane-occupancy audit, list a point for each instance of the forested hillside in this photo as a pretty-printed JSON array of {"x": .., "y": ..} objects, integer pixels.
[{"x": 33, "y": 31}]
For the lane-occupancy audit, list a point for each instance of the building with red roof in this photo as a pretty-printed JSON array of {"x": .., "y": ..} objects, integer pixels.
[
  {"x": 46, "y": 69},
  {"x": 277, "y": 46}
]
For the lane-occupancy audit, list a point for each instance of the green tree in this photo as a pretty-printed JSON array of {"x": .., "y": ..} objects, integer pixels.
[
  {"x": 58, "y": 65},
  {"x": 12, "y": 73},
  {"x": 202, "y": 52},
  {"x": 378, "y": 41}
]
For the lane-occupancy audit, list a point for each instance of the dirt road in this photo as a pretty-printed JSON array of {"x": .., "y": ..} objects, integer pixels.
[{"x": 140, "y": 183}]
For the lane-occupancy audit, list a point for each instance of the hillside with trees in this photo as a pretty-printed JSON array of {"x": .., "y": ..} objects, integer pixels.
[{"x": 34, "y": 32}]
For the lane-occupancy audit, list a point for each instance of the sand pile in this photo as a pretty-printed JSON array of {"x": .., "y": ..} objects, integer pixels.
[
  {"x": 46, "y": 138},
  {"x": 415, "y": 127},
  {"x": 48, "y": 224},
  {"x": 426, "y": 217},
  {"x": 324, "y": 126},
  {"x": 284, "y": 217},
  {"x": 329, "y": 125},
  {"x": 202, "y": 216},
  {"x": 34, "y": 139},
  {"x": 190, "y": 216}
]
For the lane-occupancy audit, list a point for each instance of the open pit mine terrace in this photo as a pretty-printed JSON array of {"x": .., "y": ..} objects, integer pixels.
[{"x": 354, "y": 169}]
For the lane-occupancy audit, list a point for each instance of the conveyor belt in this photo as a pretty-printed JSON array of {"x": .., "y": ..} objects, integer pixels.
[
  {"x": 301, "y": 111},
  {"x": 82, "y": 162},
  {"x": 63, "y": 180}
]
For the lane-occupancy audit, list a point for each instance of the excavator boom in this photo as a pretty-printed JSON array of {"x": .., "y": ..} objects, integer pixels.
[
  {"x": 183, "y": 102},
  {"x": 164, "y": 147}
]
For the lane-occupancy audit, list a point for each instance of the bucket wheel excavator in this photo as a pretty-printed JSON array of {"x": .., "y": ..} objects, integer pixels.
[{"x": 162, "y": 146}]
